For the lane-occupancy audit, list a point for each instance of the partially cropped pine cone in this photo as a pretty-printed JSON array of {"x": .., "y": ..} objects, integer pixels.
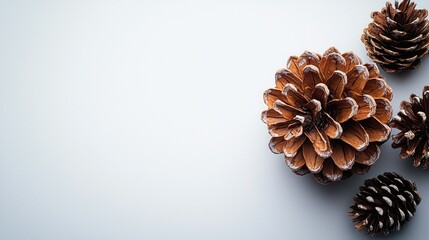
[
  {"x": 413, "y": 125},
  {"x": 398, "y": 37},
  {"x": 328, "y": 114},
  {"x": 385, "y": 203}
]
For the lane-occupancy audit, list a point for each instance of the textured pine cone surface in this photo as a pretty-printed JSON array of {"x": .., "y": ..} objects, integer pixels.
[
  {"x": 398, "y": 37},
  {"x": 384, "y": 204},
  {"x": 413, "y": 128},
  {"x": 328, "y": 114}
]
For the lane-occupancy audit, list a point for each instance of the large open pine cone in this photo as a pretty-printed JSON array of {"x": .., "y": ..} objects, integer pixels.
[
  {"x": 385, "y": 203},
  {"x": 413, "y": 125},
  {"x": 328, "y": 114},
  {"x": 398, "y": 37}
]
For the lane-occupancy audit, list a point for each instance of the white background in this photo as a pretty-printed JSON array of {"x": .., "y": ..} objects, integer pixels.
[{"x": 141, "y": 120}]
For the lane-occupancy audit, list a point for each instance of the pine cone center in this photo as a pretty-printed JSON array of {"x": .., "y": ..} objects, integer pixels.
[{"x": 311, "y": 119}]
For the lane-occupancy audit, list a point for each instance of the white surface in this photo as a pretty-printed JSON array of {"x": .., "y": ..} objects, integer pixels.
[{"x": 141, "y": 120}]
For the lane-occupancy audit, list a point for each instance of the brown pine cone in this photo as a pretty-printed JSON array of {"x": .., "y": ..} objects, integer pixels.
[
  {"x": 385, "y": 203},
  {"x": 414, "y": 129},
  {"x": 328, "y": 114},
  {"x": 398, "y": 37}
]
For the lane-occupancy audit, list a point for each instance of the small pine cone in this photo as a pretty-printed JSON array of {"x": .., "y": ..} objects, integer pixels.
[
  {"x": 414, "y": 128},
  {"x": 384, "y": 204},
  {"x": 398, "y": 37},
  {"x": 328, "y": 114}
]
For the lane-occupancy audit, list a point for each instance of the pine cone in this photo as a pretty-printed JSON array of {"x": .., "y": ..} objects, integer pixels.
[
  {"x": 414, "y": 129},
  {"x": 328, "y": 114},
  {"x": 385, "y": 203},
  {"x": 398, "y": 37}
]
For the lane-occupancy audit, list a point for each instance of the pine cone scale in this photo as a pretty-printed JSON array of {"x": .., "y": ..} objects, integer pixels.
[
  {"x": 286, "y": 110},
  {"x": 425, "y": 100},
  {"x": 357, "y": 78},
  {"x": 285, "y": 76},
  {"x": 355, "y": 135},
  {"x": 383, "y": 110},
  {"x": 297, "y": 162},
  {"x": 377, "y": 131},
  {"x": 342, "y": 109},
  {"x": 332, "y": 62},
  {"x": 271, "y": 95},
  {"x": 331, "y": 171},
  {"x": 336, "y": 83},
  {"x": 313, "y": 161},
  {"x": 310, "y": 79},
  {"x": 321, "y": 93},
  {"x": 292, "y": 145},
  {"x": 343, "y": 155},
  {"x": 320, "y": 142},
  {"x": 333, "y": 129},
  {"x": 369, "y": 155},
  {"x": 293, "y": 97},
  {"x": 366, "y": 106},
  {"x": 351, "y": 60}
]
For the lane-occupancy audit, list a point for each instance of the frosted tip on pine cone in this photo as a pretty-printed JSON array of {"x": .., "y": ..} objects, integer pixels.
[
  {"x": 328, "y": 114},
  {"x": 398, "y": 37},
  {"x": 384, "y": 204},
  {"x": 413, "y": 125}
]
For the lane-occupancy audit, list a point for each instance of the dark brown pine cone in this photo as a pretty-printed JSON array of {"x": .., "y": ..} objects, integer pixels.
[
  {"x": 413, "y": 125},
  {"x": 385, "y": 203},
  {"x": 328, "y": 114},
  {"x": 398, "y": 37}
]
